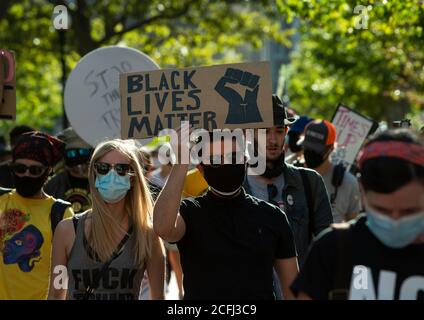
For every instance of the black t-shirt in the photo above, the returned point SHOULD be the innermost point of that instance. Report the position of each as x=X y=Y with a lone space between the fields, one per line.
x=230 y=246
x=377 y=271
x=75 y=190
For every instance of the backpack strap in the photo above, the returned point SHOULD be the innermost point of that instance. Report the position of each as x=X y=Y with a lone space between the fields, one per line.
x=310 y=201
x=57 y=212
x=337 y=180
x=343 y=274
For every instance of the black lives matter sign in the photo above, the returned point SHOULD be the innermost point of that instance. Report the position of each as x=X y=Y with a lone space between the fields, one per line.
x=216 y=97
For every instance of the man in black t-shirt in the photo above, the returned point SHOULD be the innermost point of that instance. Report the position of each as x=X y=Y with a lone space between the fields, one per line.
x=381 y=255
x=229 y=241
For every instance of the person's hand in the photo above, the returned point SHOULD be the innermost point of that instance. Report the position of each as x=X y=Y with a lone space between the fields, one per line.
x=244 y=78
x=180 y=144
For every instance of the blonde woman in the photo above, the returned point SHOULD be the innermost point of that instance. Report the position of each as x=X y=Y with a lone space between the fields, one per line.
x=107 y=249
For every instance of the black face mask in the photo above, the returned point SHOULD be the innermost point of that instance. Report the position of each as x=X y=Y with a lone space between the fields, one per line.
x=313 y=159
x=225 y=179
x=277 y=168
x=29 y=186
x=292 y=142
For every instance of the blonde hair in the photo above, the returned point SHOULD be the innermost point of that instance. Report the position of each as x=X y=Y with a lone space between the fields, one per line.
x=138 y=206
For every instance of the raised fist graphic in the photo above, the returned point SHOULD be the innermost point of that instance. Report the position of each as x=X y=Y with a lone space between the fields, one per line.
x=241 y=109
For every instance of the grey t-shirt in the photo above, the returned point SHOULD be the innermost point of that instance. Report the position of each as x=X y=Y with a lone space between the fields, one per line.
x=348 y=198
x=259 y=189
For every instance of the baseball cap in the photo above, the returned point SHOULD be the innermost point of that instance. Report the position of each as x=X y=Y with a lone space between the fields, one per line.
x=319 y=136
x=280 y=113
x=300 y=124
x=73 y=140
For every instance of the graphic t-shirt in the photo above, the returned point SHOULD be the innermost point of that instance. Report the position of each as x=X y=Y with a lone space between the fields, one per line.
x=25 y=246
x=377 y=272
x=74 y=190
x=122 y=279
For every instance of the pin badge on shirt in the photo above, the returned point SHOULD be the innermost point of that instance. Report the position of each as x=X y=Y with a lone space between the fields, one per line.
x=290 y=200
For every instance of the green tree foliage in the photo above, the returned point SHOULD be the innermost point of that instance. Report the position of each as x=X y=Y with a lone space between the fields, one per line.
x=173 y=33
x=371 y=58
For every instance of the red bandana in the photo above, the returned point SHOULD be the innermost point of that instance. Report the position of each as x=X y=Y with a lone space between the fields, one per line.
x=410 y=152
x=40 y=147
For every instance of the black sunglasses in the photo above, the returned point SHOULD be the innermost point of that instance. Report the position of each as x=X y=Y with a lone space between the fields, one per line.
x=20 y=168
x=122 y=169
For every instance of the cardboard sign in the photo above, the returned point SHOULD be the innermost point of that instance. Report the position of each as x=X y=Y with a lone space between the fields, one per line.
x=7 y=85
x=352 y=130
x=92 y=99
x=223 y=96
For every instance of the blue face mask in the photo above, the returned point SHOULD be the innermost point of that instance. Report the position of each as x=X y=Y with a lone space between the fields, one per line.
x=113 y=187
x=395 y=233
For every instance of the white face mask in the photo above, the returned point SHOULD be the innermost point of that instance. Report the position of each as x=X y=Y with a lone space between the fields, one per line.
x=395 y=233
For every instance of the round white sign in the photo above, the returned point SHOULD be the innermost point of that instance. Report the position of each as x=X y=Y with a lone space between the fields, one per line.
x=92 y=97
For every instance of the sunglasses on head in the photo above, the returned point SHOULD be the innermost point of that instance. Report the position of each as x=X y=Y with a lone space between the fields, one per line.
x=122 y=169
x=20 y=168
x=77 y=153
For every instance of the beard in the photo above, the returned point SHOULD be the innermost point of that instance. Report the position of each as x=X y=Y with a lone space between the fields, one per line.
x=273 y=153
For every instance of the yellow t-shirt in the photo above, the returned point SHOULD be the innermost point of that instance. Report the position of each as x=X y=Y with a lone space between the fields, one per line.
x=194 y=184
x=25 y=246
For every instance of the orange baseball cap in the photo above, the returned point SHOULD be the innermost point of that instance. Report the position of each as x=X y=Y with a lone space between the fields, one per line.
x=319 y=136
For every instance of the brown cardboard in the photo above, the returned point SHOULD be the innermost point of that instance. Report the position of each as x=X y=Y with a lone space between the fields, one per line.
x=221 y=96
x=7 y=91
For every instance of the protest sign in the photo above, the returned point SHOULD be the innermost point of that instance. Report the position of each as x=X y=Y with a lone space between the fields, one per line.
x=92 y=100
x=216 y=97
x=352 y=130
x=7 y=85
